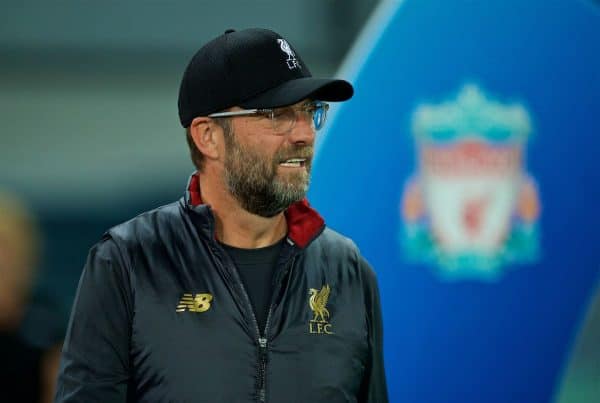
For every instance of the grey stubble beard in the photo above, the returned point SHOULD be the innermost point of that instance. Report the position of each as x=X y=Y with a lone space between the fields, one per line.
x=252 y=179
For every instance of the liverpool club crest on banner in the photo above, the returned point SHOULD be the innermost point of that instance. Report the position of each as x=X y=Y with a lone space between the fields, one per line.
x=472 y=207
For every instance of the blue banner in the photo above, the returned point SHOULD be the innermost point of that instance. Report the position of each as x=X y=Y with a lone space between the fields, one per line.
x=465 y=168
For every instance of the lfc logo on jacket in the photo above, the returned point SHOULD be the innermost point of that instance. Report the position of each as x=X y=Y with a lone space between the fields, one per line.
x=317 y=302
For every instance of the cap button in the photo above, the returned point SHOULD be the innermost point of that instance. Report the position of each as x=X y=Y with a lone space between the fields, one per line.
x=229 y=31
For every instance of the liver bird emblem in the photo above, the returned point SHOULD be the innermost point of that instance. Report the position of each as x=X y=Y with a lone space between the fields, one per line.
x=318 y=301
x=286 y=48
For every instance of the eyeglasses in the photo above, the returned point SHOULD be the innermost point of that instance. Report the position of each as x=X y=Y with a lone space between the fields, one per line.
x=283 y=119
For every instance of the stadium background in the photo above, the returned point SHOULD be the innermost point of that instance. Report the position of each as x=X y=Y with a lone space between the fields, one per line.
x=89 y=136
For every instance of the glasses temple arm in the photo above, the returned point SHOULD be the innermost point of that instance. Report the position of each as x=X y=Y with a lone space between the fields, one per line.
x=234 y=113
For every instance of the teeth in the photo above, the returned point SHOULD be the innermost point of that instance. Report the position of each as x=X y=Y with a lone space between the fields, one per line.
x=293 y=162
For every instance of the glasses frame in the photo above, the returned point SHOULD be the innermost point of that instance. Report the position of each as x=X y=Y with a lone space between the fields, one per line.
x=270 y=113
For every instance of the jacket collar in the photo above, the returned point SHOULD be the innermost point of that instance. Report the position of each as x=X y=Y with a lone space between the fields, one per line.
x=304 y=223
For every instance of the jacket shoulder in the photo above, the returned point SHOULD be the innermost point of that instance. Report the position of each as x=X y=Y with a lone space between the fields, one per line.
x=335 y=247
x=333 y=239
x=150 y=225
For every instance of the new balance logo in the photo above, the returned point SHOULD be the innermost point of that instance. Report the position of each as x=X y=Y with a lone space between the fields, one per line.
x=194 y=303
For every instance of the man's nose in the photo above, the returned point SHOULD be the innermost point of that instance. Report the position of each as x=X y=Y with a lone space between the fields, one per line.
x=303 y=131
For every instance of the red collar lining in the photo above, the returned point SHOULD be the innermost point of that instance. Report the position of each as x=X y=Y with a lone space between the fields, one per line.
x=194 y=190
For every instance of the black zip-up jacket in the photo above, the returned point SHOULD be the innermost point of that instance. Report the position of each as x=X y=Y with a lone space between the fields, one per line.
x=161 y=315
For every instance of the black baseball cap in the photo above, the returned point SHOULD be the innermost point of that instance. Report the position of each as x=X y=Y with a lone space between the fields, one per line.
x=251 y=68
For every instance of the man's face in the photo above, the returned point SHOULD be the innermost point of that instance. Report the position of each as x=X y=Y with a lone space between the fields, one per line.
x=265 y=172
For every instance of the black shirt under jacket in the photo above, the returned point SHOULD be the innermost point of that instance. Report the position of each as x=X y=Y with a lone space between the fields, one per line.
x=256 y=268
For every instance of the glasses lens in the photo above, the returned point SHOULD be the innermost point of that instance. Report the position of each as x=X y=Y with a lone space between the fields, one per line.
x=283 y=119
x=319 y=114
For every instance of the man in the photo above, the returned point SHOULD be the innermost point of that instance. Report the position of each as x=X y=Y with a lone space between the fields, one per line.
x=238 y=292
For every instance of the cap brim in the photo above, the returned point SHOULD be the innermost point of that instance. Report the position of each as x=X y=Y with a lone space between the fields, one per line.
x=293 y=91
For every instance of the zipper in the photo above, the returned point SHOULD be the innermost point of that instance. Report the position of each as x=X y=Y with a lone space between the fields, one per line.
x=262 y=341
x=262 y=357
x=273 y=296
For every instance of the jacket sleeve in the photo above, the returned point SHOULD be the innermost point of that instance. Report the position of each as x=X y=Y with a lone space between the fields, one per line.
x=95 y=357
x=374 y=387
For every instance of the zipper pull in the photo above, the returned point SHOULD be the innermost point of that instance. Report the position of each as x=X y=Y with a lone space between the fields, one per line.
x=262 y=342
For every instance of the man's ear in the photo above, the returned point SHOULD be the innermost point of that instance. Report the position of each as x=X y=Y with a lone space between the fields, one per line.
x=205 y=136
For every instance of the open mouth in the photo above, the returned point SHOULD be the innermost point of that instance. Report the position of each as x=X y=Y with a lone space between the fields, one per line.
x=293 y=163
